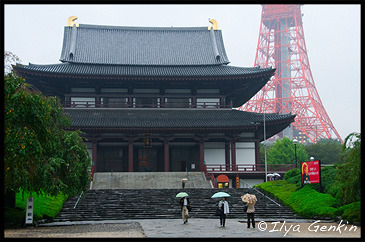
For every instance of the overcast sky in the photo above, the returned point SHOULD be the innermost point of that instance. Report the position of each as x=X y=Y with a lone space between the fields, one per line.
x=332 y=36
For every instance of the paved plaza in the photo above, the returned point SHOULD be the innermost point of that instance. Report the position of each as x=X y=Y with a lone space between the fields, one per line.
x=202 y=228
x=174 y=228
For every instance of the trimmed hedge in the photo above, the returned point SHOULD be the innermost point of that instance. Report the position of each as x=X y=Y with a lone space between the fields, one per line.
x=293 y=176
x=309 y=203
x=280 y=190
x=350 y=212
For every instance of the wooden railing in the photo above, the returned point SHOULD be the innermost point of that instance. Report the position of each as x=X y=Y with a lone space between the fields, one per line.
x=209 y=176
x=209 y=170
x=249 y=168
x=93 y=104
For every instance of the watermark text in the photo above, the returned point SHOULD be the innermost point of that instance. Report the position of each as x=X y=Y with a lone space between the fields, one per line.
x=313 y=227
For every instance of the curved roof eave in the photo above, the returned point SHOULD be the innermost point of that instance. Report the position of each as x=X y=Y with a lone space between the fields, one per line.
x=116 y=71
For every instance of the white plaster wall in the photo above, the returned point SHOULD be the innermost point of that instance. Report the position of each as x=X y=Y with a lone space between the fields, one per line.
x=214 y=153
x=245 y=153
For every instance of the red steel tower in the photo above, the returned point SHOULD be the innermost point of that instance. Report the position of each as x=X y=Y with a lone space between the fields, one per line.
x=281 y=45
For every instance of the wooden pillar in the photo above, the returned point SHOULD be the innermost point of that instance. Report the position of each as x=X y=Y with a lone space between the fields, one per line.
x=97 y=97
x=222 y=102
x=94 y=156
x=257 y=155
x=201 y=152
x=130 y=155
x=166 y=156
x=68 y=101
x=233 y=154
x=228 y=156
x=97 y=101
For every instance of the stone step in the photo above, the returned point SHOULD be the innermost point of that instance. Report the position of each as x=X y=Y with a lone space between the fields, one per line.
x=111 y=204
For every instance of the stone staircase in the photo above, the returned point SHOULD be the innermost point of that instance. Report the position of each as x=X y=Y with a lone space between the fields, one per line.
x=121 y=204
x=153 y=180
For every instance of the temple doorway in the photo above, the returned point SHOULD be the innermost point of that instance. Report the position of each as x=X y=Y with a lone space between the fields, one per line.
x=184 y=158
x=183 y=165
x=147 y=160
x=112 y=159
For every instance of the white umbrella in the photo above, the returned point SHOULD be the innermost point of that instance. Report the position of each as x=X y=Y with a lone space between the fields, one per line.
x=220 y=194
x=270 y=174
x=182 y=194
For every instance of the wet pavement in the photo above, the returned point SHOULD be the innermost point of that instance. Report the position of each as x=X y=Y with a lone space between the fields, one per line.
x=196 y=227
x=203 y=228
x=175 y=228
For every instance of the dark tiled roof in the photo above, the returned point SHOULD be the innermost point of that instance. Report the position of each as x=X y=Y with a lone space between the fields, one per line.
x=95 y=44
x=169 y=118
x=147 y=71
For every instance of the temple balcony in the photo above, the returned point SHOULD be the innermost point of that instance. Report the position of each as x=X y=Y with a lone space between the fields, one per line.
x=93 y=104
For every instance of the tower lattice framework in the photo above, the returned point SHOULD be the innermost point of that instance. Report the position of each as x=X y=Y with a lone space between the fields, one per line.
x=281 y=45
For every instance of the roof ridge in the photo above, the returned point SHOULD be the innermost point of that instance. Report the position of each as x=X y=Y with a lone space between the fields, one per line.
x=138 y=28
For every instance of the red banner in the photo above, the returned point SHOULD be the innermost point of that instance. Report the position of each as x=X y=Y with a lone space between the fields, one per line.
x=311 y=172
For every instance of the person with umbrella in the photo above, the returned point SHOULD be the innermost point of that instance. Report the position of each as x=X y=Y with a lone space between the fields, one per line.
x=183 y=181
x=223 y=205
x=270 y=177
x=185 y=206
x=250 y=199
x=276 y=176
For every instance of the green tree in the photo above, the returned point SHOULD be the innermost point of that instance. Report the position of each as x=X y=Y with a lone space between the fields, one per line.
x=283 y=152
x=327 y=150
x=40 y=155
x=262 y=151
x=348 y=176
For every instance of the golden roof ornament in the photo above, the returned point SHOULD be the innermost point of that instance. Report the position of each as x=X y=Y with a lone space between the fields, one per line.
x=71 y=21
x=214 y=24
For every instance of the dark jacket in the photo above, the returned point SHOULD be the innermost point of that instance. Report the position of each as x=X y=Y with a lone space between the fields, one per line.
x=182 y=202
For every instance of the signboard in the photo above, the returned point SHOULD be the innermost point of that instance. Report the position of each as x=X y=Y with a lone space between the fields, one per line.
x=29 y=211
x=311 y=172
x=147 y=141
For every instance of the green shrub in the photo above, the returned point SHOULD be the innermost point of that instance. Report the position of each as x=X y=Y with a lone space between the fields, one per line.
x=280 y=190
x=306 y=202
x=309 y=203
x=350 y=212
x=328 y=175
x=44 y=205
x=293 y=176
x=292 y=173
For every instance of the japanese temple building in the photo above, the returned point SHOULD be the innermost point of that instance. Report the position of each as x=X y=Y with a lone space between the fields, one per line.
x=157 y=98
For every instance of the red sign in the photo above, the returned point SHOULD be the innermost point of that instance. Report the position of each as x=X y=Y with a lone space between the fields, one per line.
x=310 y=172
